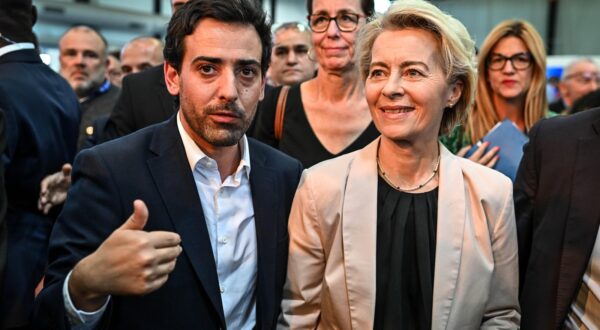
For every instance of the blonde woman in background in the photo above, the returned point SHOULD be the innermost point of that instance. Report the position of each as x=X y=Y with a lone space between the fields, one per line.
x=402 y=234
x=511 y=85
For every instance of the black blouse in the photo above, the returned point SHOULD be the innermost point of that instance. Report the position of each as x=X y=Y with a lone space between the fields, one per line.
x=298 y=138
x=406 y=234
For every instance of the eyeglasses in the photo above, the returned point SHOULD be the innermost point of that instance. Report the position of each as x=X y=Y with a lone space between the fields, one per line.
x=519 y=61
x=585 y=78
x=346 y=22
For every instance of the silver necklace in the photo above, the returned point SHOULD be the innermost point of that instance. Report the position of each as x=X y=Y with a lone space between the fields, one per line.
x=417 y=187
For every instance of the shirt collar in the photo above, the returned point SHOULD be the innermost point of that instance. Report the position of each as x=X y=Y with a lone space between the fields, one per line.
x=14 y=47
x=195 y=154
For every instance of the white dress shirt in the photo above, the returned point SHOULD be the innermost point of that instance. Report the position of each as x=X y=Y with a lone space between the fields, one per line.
x=229 y=216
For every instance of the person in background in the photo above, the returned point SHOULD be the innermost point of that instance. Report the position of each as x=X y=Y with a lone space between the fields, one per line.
x=511 y=85
x=144 y=99
x=579 y=78
x=83 y=61
x=206 y=245
x=558 y=213
x=291 y=63
x=113 y=70
x=402 y=234
x=41 y=115
x=326 y=116
x=141 y=54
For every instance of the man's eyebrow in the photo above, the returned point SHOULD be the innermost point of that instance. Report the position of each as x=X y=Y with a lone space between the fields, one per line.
x=214 y=60
x=245 y=62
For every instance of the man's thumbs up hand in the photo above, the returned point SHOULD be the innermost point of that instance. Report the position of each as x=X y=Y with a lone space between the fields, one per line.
x=137 y=220
x=130 y=261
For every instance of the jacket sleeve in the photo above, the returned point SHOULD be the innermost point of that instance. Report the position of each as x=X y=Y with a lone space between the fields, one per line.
x=525 y=192
x=502 y=309
x=91 y=213
x=306 y=263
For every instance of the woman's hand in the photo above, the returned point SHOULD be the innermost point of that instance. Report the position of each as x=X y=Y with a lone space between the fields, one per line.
x=486 y=158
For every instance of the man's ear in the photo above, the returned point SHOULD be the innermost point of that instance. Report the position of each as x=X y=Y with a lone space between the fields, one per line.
x=171 y=79
x=262 y=87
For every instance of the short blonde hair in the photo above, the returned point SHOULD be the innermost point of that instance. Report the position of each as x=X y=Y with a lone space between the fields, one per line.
x=484 y=115
x=457 y=49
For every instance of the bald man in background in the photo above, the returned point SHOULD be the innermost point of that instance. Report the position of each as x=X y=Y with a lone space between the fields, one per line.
x=140 y=54
x=579 y=78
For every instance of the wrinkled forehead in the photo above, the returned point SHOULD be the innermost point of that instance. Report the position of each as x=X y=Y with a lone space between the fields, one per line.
x=82 y=39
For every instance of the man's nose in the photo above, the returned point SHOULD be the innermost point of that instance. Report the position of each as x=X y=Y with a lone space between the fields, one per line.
x=227 y=86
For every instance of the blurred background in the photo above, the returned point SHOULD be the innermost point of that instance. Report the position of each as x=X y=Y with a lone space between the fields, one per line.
x=567 y=26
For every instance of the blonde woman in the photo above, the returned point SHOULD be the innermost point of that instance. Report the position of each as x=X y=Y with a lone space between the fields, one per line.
x=511 y=85
x=402 y=234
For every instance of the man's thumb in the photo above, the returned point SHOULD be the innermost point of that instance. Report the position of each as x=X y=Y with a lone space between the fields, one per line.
x=138 y=219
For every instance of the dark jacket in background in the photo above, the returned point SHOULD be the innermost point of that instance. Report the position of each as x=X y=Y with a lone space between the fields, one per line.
x=42 y=122
x=558 y=213
x=144 y=101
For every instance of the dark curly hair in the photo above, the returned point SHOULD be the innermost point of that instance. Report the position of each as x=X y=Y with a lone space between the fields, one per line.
x=184 y=21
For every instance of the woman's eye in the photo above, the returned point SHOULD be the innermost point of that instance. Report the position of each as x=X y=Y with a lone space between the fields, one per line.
x=413 y=73
x=376 y=73
x=346 y=18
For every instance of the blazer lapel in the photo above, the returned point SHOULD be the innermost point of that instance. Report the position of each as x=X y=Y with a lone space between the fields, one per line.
x=359 y=233
x=173 y=177
x=450 y=228
x=582 y=224
x=266 y=214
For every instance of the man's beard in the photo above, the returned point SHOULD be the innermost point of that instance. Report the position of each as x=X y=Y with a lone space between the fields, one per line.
x=218 y=134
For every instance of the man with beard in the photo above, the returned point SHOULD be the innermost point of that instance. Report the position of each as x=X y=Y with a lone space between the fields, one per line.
x=182 y=225
x=83 y=63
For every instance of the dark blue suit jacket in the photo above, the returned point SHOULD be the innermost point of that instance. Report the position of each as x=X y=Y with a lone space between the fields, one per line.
x=151 y=165
x=42 y=123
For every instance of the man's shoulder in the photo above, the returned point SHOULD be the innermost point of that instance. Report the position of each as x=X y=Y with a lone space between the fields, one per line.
x=271 y=156
x=569 y=125
x=132 y=145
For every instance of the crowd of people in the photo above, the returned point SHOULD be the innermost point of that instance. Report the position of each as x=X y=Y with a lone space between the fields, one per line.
x=349 y=173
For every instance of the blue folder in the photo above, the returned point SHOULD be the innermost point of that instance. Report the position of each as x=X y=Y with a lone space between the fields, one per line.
x=510 y=139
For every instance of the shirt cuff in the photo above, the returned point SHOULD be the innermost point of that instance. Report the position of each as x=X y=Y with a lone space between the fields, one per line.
x=78 y=319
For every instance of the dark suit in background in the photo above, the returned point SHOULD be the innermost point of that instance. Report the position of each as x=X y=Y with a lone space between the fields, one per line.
x=158 y=172
x=144 y=101
x=558 y=213
x=42 y=122
x=97 y=105
x=2 y=201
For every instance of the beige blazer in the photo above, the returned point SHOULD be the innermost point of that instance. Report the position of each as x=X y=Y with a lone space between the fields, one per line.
x=332 y=257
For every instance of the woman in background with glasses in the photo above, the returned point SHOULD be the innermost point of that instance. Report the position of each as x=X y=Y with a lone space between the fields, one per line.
x=511 y=85
x=326 y=116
